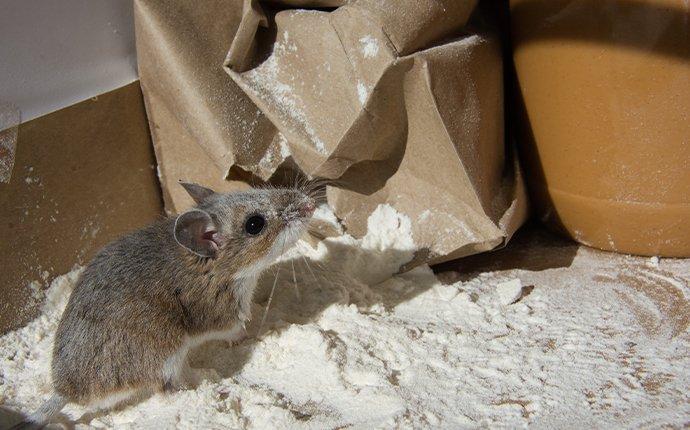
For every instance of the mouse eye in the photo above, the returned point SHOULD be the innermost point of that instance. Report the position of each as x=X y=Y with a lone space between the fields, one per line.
x=255 y=224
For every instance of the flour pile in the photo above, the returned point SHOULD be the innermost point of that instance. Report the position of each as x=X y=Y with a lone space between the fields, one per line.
x=352 y=343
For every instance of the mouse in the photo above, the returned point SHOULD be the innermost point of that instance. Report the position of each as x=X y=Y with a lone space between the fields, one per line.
x=145 y=300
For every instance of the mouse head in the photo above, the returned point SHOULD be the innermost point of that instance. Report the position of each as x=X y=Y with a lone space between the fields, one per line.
x=243 y=232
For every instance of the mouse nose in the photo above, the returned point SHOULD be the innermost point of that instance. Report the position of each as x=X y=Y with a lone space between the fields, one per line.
x=307 y=209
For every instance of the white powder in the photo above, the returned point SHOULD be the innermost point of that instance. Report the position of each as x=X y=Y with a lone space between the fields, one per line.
x=269 y=83
x=267 y=160
x=424 y=215
x=272 y=158
x=370 y=46
x=359 y=345
x=509 y=292
x=283 y=145
x=362 y=92
x=324 y=214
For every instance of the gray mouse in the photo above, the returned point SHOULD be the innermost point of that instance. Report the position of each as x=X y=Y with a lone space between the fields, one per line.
x=146 y=299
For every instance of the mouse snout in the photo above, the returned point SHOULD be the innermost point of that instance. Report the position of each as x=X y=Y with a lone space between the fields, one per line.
x=303 y=209
x=306 y=209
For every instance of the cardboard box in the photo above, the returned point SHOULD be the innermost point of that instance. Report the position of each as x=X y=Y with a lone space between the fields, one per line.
x=82 y=176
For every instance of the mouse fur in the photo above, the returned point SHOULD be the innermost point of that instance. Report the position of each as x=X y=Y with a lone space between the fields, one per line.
x=146 y=299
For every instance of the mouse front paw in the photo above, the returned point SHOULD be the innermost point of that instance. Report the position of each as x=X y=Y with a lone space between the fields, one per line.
x=186 y=378
x=176 y=385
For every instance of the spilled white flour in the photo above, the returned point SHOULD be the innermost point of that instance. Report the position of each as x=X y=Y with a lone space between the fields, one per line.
x=588 y=340
x=269 y=82
x=370 y=46
x=362 y=92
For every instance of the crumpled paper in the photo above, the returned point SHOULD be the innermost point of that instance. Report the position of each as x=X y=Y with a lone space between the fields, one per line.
x=395 y=101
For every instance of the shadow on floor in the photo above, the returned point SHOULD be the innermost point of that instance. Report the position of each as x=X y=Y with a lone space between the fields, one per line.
x=347 y=275
x=10 y=418
x=533 y=248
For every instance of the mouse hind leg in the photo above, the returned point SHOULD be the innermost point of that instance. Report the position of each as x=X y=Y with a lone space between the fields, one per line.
x=44 y=414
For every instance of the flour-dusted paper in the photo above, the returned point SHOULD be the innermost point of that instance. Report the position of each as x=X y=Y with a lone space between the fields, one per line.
x=397 y=102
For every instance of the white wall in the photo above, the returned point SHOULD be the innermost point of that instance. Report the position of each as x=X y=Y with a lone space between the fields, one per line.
x=54 y=53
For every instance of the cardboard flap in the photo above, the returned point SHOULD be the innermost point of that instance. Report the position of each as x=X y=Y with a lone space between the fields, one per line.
x=411 y=25
x=252 y=17
x=180 y=49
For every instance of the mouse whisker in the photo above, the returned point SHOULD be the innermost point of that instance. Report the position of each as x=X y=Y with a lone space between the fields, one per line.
x=273 y=289
x=299 y=181
x=306 y=263
x=294 y=279
x=322 y=273
x=323 y=270
x=268 y=305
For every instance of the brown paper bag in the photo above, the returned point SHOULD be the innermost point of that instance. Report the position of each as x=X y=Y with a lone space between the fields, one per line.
x=389 y=98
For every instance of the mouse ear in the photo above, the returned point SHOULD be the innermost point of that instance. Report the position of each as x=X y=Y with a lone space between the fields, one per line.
x=194 y=231
x=197 y=192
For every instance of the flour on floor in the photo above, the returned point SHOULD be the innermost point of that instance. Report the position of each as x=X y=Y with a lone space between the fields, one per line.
x=601 y=341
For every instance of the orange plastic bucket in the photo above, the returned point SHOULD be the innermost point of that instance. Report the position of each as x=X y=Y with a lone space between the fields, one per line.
x=605 y=96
